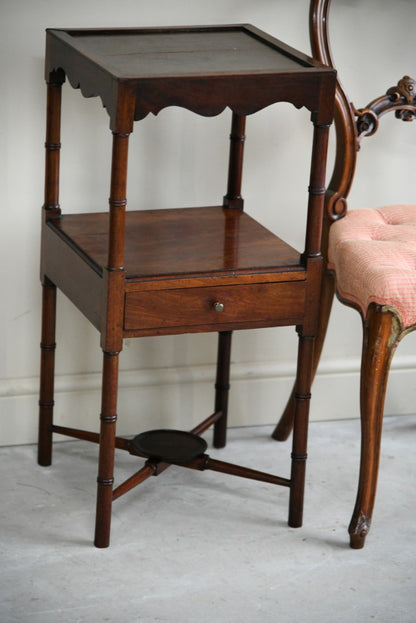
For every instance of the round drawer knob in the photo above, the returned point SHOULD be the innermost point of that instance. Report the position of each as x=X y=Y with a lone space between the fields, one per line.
x=219 y=307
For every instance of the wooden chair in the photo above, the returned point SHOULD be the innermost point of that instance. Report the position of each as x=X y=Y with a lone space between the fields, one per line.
x=182 y=270
x=370 y=259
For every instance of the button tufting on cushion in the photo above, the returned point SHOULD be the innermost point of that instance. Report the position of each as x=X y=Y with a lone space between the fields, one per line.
x=373 y=253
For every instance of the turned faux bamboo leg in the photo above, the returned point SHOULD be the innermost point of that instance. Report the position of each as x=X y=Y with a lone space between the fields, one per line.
x=111 y=337
x=285 y=424
x=322 y=292
x=222 y=387
x=308 y=331
x=300 y=430
x=105 y=477
x=381 y=336
x=47 y=374
x=233 y=198
x=50 y=209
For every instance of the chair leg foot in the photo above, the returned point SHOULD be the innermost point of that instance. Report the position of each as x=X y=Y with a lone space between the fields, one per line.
x=358 y=530
x=357 y=541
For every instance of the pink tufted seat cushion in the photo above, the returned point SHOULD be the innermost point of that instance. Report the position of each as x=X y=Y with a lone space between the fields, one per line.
x=373 y=253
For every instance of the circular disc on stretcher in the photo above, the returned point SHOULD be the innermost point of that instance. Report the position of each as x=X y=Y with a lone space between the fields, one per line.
x=173 y=446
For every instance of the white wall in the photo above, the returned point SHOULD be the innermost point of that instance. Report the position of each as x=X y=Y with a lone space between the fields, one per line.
x=169 y=380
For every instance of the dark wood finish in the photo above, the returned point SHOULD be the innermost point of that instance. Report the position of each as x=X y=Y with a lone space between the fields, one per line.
x=154 y=468
x=285 y=424
x=222 y=387
x=74 y=276
x=204 y=69
x=401 y=99
x=205 y=462
x=136 y=273
x=194 y=309
x=47 y=373
x=52 y=148
x=169 y=445
x=381 y=335
x=382 y=328
x=108 y=420
x=300 y=431
x=233 y=198
x=193 y=242
x=50 y=209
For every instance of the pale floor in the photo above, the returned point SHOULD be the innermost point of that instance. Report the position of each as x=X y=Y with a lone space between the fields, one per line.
x=190 y=546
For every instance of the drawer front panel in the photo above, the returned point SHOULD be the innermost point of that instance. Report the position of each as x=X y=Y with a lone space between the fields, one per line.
x=263 y=303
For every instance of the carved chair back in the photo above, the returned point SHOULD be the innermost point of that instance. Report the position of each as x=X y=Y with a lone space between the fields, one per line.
x=352 y=124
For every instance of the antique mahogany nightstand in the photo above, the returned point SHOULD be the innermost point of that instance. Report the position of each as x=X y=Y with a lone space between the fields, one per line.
x=157 y=272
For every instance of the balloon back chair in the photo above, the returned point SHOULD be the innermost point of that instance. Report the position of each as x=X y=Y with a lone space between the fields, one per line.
x=370 y=257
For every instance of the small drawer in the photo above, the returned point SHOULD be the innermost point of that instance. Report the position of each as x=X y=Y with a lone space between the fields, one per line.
x=262 y=304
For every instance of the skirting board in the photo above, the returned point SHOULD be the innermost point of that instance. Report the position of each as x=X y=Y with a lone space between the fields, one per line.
x=181 y=397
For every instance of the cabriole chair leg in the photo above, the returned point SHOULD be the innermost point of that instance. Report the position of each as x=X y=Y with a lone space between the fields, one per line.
x=380 y=339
